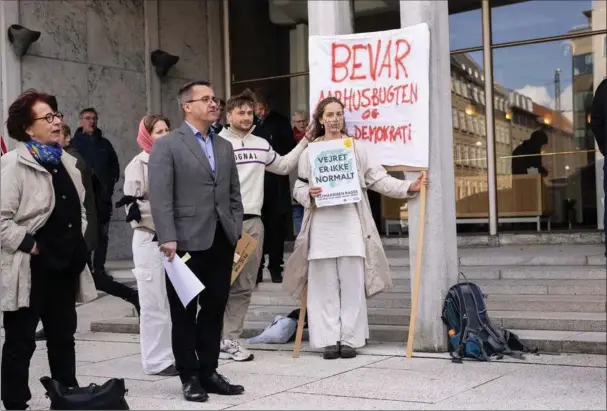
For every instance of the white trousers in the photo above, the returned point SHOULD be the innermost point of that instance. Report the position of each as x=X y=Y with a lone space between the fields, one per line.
x=337 y=306
x=155 y=320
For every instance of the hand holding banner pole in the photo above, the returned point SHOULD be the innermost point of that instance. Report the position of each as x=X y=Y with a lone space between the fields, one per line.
x=418 y=268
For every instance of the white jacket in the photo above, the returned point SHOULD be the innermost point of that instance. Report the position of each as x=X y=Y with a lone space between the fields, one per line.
x=254 y=155
x=136 y=185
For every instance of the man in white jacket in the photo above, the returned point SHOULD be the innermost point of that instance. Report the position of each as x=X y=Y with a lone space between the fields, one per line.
x=253 y=156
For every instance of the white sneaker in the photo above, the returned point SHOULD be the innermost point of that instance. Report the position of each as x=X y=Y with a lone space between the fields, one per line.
x=232 y=350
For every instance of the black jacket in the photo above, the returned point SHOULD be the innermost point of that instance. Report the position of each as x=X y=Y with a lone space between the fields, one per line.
x=598 y=116
x=277 y=130
x=90 y=235
x=100 y=156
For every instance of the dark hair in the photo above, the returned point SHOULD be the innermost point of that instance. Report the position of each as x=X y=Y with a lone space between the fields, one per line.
x=222 y=102
x=65 y=129
x=319 y=129
x=185 y=92
x=88 y=110
x=539 y=138
x=21 y=115
x=245 y=98
x=150 y=121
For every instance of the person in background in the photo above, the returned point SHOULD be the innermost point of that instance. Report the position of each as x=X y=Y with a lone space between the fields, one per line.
x=44 y=254
x=598 y=124
x=529 y=154
x=155 y=320
x=219 y=124
x=276 y=213
x=300 y=124
x=339 y=273
x=187 y=168
x=101 y=157
x=90 y=235
x=254 y=156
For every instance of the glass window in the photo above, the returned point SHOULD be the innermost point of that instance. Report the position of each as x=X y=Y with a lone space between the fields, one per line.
x=475 y=126
x=556 y=180
x=470 y=175
x=483 y=126
x=484 y=158
x=582 y=64
x=462 y=120
x=455 y=118
x=469 y=126
x=541 y=18
x=277 y=40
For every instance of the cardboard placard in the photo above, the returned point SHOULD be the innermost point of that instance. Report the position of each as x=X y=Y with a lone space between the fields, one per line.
x=244 y=248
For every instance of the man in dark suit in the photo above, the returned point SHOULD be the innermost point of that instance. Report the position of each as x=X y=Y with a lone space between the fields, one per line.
x=277 y=205
x=196 y=206
x=598 y=124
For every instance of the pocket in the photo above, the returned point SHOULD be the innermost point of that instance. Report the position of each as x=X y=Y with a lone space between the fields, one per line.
x=187 y=211
x=143 y=274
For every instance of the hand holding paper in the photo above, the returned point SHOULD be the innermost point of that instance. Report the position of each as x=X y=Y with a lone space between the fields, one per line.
x=186 y=284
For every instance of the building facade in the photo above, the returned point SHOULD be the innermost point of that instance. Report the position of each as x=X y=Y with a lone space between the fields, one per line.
x=544 y=59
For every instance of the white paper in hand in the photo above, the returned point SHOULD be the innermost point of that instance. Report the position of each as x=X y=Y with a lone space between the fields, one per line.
x=186 y=284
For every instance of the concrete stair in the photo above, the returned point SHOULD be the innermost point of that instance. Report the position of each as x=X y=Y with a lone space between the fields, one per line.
x=552 y=296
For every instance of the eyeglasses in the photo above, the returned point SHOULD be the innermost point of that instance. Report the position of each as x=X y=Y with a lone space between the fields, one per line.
x=205 y=100
x=50 y=117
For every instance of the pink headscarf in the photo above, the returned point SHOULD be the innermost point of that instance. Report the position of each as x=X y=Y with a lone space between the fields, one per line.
x=144 y=139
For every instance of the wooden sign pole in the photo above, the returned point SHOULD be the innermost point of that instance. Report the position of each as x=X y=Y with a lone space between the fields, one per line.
x=303 y=305
x=418 y=269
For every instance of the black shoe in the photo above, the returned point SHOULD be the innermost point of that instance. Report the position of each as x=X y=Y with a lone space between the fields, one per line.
x=218 y=384
x=331 y=352
x=40 y=336
x=345 y=351
x=193 y=391
x=169 y=371
x=276 y=277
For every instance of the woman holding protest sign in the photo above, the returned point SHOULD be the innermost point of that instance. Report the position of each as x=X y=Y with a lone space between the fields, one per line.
x=338 y=250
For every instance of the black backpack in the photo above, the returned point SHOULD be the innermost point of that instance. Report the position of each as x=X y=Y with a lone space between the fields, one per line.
x=470 y=331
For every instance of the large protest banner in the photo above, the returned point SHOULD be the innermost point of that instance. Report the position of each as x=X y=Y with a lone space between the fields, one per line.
x=333 y=166
x=383 y=80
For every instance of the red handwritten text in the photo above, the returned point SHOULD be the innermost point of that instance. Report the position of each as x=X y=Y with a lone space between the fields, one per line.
x=383 y=133
x=356 y=99
x=369 y=61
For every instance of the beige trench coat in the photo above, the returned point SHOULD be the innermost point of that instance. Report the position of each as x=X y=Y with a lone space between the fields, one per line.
x=28 y=199
x=377 y=269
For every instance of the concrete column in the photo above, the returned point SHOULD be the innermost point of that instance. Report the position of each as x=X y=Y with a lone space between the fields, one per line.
x=298 y=39
x=152 y=42
x=330 y=17
x=440 y=264
x=215 y=48
x=11 y=64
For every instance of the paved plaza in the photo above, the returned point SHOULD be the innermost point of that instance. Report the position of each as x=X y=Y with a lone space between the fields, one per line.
x=380 y=378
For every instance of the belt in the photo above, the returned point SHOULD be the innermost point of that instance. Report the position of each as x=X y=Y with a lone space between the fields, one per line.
x=250 y=216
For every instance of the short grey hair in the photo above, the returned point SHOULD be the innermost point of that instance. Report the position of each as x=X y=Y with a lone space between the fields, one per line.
x=301 y=113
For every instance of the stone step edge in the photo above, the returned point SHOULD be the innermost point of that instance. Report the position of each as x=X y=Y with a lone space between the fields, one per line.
x=545 y=341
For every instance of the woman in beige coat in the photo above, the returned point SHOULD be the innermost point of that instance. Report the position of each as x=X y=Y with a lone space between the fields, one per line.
x=338 y=251
x=155 y=319
x=44 y=255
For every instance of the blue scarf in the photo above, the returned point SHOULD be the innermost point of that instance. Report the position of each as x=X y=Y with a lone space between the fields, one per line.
x=45 y=154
